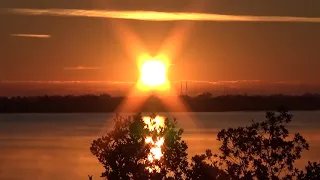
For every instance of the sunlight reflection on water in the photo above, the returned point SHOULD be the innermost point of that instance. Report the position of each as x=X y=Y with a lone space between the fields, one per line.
x=56 y=146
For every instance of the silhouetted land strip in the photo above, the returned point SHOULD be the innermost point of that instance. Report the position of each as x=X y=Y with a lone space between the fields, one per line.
x=202 y=103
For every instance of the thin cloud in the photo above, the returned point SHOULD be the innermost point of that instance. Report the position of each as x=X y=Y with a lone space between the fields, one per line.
x=160 y=16
x=220 y=82
x=32 y=35
x=66 y=82
x=81 y=68
x=177 y=81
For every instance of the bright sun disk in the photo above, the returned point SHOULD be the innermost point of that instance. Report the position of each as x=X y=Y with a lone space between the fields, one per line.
x=153 y=73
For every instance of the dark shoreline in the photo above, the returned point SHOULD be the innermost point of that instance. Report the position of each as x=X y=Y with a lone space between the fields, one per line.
x=202 y=103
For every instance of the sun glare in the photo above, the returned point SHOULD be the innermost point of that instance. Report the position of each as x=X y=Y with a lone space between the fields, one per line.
x=154 y=124
x=153 y=73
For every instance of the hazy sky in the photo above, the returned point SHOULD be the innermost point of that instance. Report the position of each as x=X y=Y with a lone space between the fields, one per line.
x=66 y=48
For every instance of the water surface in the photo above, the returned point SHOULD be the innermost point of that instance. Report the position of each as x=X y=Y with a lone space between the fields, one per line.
x=56 y=146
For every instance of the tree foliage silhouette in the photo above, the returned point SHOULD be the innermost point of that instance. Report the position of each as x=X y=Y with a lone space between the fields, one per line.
x=123 y=151
x=204 y=167
x=312 y=172
x=264 y=150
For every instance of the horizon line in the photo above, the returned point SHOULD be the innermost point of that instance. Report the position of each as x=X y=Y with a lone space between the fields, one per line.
x=132 y=82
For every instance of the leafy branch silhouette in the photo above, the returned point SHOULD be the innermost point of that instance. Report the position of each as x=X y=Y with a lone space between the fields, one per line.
x=264 y=150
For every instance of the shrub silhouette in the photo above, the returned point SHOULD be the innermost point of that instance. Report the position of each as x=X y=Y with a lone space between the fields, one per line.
x=261 y=151
x=312 y=172
x=204 y=167
x=123 y=151
x=90 y=177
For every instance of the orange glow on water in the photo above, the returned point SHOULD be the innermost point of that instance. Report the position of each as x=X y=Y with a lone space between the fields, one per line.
x=154 y=124
x=155 y=151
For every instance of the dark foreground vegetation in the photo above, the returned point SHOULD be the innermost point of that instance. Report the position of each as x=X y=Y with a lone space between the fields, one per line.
x=202 y=103
x=262 y=151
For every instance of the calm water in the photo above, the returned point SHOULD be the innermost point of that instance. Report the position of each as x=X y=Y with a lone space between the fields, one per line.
x=56 y=146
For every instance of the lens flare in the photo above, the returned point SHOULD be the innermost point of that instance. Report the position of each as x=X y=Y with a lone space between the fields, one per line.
x=155 y=124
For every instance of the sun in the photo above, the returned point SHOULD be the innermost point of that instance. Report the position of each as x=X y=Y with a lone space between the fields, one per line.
x=153 y=73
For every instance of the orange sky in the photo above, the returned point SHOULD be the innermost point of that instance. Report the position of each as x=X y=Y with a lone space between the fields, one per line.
x=47 y=48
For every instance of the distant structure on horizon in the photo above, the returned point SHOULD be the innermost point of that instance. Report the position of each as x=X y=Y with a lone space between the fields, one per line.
x=186 y=88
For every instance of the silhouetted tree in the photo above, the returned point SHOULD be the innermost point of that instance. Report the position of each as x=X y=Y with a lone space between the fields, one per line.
x=204 y=167
x=206 y=95
x=123 y=151
x=262 y=150
x=90 y=177
x=312 y=172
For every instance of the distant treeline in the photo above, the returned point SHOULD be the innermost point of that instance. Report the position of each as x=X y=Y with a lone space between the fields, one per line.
x=202 y=103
